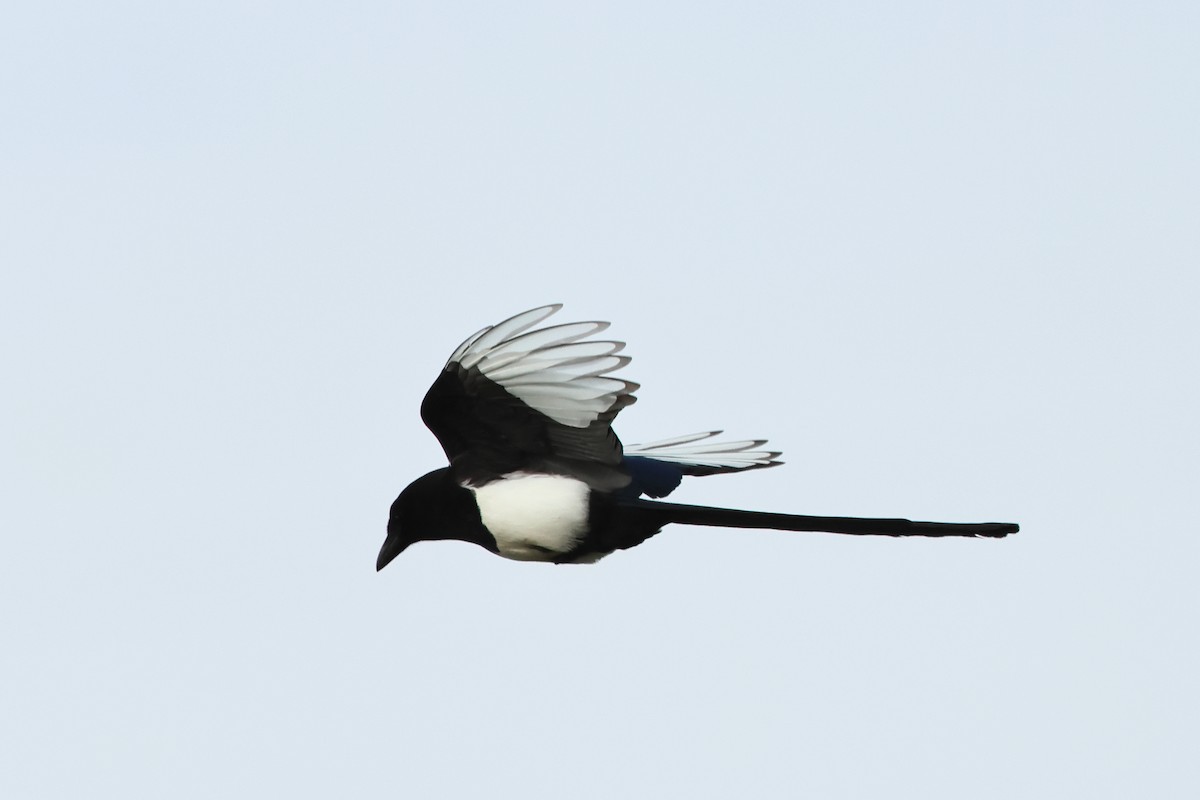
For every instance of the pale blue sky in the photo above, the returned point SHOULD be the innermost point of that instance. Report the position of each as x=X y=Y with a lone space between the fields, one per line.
x=943 y=255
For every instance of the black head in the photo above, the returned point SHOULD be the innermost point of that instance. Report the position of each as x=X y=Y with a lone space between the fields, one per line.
x=433 y=506
x=396 y=540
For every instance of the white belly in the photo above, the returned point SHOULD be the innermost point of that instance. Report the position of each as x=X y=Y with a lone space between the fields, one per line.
x=534 y=517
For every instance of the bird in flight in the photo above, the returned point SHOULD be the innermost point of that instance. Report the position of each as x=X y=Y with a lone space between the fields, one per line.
x=537 y=473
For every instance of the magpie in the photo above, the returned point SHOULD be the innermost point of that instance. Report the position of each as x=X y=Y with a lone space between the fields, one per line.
x=525 y=413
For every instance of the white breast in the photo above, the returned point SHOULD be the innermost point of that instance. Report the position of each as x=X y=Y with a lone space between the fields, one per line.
x=534 y=517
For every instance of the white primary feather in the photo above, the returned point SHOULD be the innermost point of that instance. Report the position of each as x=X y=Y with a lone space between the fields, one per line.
x=517 y=346
x=492 y=335
x=556 y=370
x=724 y=455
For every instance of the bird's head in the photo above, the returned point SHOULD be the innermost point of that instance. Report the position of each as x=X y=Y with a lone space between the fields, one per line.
x=431 y=507
x=396 y=540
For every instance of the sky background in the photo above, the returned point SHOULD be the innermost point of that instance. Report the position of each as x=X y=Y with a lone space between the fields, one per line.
x=945 y=256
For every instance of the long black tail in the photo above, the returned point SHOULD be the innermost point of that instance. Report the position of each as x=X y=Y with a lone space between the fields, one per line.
x=733 y=518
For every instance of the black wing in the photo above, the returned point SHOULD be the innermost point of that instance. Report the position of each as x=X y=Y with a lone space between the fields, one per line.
x=511 y=399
